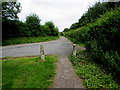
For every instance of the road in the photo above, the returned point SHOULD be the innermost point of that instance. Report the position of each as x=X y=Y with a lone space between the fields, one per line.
x=62 y=47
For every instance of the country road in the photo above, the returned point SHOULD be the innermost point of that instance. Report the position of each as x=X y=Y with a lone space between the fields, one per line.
x=65 y=76
x=62 y=47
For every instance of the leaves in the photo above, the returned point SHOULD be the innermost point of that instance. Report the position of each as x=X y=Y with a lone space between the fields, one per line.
x=10 y=10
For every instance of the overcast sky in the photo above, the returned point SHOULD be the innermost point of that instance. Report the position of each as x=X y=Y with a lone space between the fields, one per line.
x=63 y=13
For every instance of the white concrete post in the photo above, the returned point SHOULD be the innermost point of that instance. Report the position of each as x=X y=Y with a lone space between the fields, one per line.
x=74 y=49
x=42 y=52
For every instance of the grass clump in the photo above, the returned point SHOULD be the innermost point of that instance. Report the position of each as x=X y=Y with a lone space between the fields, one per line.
x=28 y=72
x=94 y=76
x=22 y=40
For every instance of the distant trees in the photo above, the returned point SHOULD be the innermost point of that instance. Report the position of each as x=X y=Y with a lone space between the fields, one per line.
x=53 y=30
x=12 y=27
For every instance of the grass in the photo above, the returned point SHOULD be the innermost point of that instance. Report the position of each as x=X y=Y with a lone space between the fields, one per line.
x=92 y=74
x=28 y=72
x=22 y=40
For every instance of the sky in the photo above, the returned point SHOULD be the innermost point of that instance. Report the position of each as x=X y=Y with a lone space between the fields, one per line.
x=63 y=13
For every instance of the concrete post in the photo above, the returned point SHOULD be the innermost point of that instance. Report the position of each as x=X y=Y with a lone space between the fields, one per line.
x=42 y=56
x=74 y=49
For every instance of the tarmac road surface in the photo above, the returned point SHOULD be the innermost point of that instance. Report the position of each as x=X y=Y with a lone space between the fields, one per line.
x=62 y=47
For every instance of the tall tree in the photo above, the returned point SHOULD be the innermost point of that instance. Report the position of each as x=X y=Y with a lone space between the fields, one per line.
x=33 y=24
x=33 y=19
x=50 y=24
x=53 y=30
x=9 y=19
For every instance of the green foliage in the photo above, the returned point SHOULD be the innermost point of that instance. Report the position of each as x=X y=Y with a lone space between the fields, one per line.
x=32 y=20
x=28 y=72
x=50 y=24
x=10 y=10
x=101 y=40
x=61 y=33
x=78 y=36
x=13 y=28
x=45 y=30
x=30 y=28
x=22 y=40
x=94 y=12
x=66 y=30
x=74 y=26
x=103 y=44
x=93 y=75
x=33 y=25
x=53 y=30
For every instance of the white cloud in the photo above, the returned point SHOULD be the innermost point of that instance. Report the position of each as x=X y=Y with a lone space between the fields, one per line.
x=62 y=12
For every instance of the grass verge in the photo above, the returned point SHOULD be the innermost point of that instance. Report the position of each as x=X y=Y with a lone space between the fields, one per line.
x=22 y=40
x=93 y=75
x=28 y=72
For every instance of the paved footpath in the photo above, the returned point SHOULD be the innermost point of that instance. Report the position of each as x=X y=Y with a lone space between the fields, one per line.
x=65 y=78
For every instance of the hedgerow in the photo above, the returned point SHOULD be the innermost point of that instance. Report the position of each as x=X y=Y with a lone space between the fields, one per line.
x=101 y=40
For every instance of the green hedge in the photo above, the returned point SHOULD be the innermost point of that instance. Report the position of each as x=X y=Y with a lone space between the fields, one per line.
x=78 y=36
x=102 y=41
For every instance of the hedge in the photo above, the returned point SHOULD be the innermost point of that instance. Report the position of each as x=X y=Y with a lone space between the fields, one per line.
x=101 y=40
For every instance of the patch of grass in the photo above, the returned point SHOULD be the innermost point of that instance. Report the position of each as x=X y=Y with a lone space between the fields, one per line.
x=22 y=40
x=93 y=75
x=28 y=72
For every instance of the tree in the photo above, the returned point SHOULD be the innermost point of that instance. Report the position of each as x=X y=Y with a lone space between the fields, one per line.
x=33 y=25
x=9 y=19
x=10 y=10
x=45 y=30
x=33 y=19
x=50 y=24
x=53 y=29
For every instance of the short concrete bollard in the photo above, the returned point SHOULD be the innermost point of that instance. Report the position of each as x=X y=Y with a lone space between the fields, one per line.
x=42 y=56
x=74 y=49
